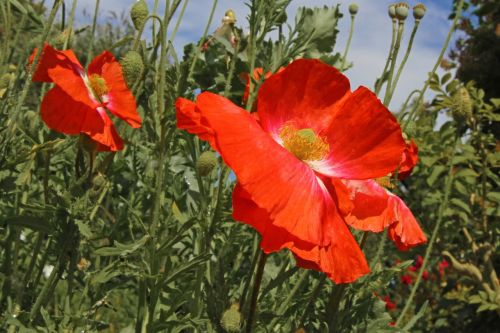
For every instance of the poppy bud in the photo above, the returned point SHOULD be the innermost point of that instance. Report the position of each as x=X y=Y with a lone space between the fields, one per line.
x=229 y=17
x=206 y=163
x=353 y=8
x=132 y=67
x=461 y=108
x=61 y=38
x=6 y=79
x=231 y=319
x=139 y=13
x=419 y=11
x=402 y=10
x=392 y=11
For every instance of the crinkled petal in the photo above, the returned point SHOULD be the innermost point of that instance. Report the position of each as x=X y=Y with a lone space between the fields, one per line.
x=405 y=232
x=63 y=114
x=189 y=119
x=277 y=181
x=306 y=94
x=342 y=260
x=409 y=160
x=51 y=58
x=365 y=139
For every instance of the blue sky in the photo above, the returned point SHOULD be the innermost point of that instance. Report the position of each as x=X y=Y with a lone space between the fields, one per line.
x=370 y=41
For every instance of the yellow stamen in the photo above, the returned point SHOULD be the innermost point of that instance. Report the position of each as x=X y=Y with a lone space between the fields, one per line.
x=385 y=182
x=305 y=144
x=98 y=85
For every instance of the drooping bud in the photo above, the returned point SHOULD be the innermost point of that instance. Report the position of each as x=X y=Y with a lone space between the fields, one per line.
x=353 y=8
x=231 y=319
x=229 y=17
x=402 y=10
x=419 y=11
x=461 y=108
x=392 y=11
x=206 y=163
x=132 y=67
x=139 y=13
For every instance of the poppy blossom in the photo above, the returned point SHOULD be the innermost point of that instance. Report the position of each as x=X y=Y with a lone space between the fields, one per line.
x=389 y=304
x=406 y=279
x=311 y=129
x=443 y=264
x=257 y=73
x=409 y=160
x=79 y=101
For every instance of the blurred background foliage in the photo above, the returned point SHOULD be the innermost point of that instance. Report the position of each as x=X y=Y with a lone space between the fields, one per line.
x=149 y=244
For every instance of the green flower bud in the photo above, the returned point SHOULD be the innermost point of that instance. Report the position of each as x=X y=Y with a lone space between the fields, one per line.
x=419 y=11
x=6 y=79
x=392 y=11
x=206 y=163
x=132 y=67
x=411 y=129
x=231 y=319
x=353 y=8
x=229 y=17
x=139 y=13
x=461 y=108
x=402 y=9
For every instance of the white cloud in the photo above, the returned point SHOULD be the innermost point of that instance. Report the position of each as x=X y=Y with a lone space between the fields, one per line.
x=370 y=42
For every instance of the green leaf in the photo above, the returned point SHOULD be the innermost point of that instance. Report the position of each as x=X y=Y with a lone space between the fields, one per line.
x=436 y=172
x=416 y=317
x=35 y=223
x=122 y=249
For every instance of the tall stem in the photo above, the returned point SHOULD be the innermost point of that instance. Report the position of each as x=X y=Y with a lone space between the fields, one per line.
x=394 y=57
x=380 y=82
x=92 y=32
x=442 y=208
x=255 y=293
x=405 y=58
x=348 y=45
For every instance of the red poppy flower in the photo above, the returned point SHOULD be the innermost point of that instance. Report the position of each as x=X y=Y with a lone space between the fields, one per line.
x=79 y=100
x=257 y=73
x=375 y=208
x=442 y=266
x=406 y=279
x=409 y=160
x=311 y=129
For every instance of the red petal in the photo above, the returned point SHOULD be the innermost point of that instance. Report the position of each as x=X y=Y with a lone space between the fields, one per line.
x=371 y=211
x=342 y=260
x=189 y=119
x=97 y=64
x=364 y=137
x=405 y=232
x=306 y=93
x=277 y=181
x=63 y=114
x=409 y=160
x=52 y=58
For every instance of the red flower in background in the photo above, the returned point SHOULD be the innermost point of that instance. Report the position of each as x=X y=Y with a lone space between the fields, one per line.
x=311 y=132
x=443 y=264
x=79 y=100
x=389 y=305
x=409 y=160
x=257 y=73
x=406 y=279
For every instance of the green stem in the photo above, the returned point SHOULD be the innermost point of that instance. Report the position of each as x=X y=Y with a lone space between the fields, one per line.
x=255 y=259
x=458 y=14
x=442 y=208
x=92 y=32
x=405 y=105
x=394 y=57
x=314 y=296
x=202 y=40
x=252 y=311
x=380 y=82
x=405 y=58
x=70 y=24
x=348 y=45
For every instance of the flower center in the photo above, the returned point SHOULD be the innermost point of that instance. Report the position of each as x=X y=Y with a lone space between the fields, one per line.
x=305 y=144
x=385 y=182
x=98 y=85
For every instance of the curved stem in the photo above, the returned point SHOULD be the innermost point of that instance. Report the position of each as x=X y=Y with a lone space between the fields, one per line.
x=255 y=292
x=442 y=208
x=380 y=81
x=405 y=105
x=405 y=58
x=348 y=45
x=394 y=57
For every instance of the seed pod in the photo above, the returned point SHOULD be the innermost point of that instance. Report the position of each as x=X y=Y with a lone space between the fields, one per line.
x=402 y=9
x=392 y=11
x=461 y=108
x=132 y=67
x=419 y=11
x=206 y=163
x=231 y=319
x=61 y=38
x=6 y=79
x=229 y=17
x=139 y=13
x=353 y=9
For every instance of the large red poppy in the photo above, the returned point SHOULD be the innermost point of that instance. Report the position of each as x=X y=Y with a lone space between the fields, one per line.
x=310 y=128
x=79 y=101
